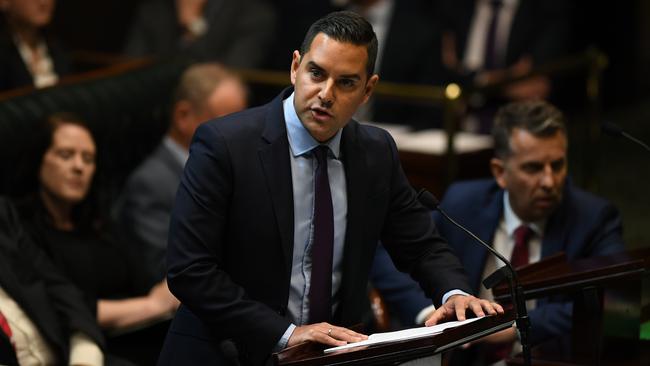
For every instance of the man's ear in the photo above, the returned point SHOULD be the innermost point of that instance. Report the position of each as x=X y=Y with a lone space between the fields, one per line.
x=182 y=115
x=370 y=86
x=295 y=64
x=497 y=166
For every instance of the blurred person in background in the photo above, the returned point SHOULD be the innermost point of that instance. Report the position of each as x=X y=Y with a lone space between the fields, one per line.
x=408 y=37
x=43 y=317
x=61 y=216
x=236 y=33
x=28 y=55
x=205 y=91
x=485 y=42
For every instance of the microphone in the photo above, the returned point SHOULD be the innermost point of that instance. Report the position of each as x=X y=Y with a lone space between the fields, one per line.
x=612 y=129
x=428 y=200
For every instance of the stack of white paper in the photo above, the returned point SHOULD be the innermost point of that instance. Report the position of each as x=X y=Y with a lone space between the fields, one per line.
x=401 y=335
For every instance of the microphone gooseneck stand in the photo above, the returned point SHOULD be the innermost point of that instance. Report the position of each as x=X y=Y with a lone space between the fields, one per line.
x=516 y=290
x=614 y=130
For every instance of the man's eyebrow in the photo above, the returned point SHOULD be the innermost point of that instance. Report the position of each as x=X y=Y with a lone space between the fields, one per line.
x=313 y=64
x=351 y=76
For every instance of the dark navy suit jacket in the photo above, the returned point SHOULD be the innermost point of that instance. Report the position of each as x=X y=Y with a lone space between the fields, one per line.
x=582 y=226
x=231 y=233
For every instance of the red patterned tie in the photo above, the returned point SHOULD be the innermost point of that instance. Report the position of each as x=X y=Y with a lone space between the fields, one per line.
x=520 y=254
x=4 y=325
x=519 y=257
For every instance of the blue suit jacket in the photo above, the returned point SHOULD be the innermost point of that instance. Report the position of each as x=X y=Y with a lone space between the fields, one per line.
x=582 y=226
x=231 y=233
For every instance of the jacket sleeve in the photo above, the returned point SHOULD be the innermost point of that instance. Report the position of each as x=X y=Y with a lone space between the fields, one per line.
x=197 y=240
x=608 y=235
x=550 y=320
x=411 y=238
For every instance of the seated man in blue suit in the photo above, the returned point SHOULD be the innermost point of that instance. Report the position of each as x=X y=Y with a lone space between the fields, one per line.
x=529 y=188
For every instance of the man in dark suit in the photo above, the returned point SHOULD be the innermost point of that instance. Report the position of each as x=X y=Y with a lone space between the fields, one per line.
x=205 y=91
x=408 y=53
x=530 y=189
x=488 y=41
x=235 y=33
x=280 y=209
x=47 y=318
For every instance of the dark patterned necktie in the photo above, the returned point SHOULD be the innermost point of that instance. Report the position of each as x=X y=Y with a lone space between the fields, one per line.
x=320 y=290
x=491 y=61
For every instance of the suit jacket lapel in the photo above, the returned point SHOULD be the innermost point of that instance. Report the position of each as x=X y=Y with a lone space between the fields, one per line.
x=486 y=223
x=354 y=160
x=353 y=156
x=274 y=157
x=558 y=227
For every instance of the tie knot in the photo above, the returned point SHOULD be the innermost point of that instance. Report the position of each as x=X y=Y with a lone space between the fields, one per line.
x=522 y=234
x=320 y=152
x=496 y=3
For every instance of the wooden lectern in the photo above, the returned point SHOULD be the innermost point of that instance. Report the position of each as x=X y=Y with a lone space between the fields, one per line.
x=606 y=293
x=389 y=353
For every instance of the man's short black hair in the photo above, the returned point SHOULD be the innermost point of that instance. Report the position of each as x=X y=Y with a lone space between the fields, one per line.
x=538 y=117
x=345 y=26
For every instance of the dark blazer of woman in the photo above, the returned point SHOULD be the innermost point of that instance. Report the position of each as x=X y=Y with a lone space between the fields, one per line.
x=52 y=303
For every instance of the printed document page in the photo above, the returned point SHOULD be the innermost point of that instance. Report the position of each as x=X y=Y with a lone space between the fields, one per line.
x=401 y=335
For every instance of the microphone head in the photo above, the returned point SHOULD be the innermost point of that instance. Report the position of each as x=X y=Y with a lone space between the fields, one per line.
x=427 y=199
x=611 y=129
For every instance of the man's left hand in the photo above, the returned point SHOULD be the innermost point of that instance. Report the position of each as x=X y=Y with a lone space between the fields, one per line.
x=457 y=305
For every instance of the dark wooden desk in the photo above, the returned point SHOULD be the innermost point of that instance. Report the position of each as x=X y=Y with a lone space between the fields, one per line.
x=610 y=301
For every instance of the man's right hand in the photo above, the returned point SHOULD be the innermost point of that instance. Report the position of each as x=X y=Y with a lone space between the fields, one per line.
x=325 y=333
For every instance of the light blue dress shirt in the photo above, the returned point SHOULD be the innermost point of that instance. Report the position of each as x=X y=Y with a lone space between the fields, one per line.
x=303 y=168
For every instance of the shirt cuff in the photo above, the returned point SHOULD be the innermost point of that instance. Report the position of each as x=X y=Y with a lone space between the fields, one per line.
x=282 y=343
x=84 y=351
x=452 y=293
x=424 y=314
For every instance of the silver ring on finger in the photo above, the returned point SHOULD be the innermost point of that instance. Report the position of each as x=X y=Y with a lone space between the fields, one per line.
x=329 y=332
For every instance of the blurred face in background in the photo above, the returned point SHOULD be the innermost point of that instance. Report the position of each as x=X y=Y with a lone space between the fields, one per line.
x=228 y=97
x=68 y=165
x=28 y=13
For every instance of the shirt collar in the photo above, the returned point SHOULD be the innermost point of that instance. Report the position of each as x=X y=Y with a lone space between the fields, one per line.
x=512 y=221
x=300 y=140
x=179 y=153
